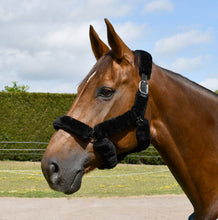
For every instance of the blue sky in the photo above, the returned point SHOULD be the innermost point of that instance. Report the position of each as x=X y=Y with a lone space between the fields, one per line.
x=45 y=44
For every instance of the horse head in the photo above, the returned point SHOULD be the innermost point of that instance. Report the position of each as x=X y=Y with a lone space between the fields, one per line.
x=106 y=92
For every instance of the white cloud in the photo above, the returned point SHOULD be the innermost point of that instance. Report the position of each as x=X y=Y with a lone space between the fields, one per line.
x=159 y=5
x=173 y=44
x=68 y=37
x=49 y=40
x=56 y=86
x=94 y=9
x=211 y=82
x=43 y=65
x=4 y=16
x=130 y=31
x=186 y=64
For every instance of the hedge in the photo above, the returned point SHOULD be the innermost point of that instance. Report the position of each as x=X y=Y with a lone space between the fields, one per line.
x=148 y=156
x=29 y=117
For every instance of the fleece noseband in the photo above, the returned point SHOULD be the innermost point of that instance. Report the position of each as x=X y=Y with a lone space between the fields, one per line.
x=100 y=134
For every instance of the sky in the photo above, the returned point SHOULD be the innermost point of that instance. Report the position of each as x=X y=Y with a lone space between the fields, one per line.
x=45 y=44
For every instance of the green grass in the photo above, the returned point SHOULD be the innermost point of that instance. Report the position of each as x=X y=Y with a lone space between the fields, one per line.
x=25 y=179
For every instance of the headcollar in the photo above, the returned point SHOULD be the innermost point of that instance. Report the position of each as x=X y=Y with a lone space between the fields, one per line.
x=100 y=134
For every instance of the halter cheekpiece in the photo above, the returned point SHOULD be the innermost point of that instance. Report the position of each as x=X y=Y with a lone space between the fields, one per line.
x=100 y=134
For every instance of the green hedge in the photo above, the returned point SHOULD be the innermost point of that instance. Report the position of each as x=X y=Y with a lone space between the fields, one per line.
x=29 y=117
x=148 y=156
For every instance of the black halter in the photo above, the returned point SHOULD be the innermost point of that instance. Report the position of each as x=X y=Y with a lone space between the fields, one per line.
x=133 y=118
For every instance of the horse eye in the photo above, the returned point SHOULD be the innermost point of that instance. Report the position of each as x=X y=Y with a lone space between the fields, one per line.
x=105 y=92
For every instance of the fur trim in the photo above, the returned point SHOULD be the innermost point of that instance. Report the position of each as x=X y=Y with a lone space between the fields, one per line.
x=114 y=125
x=73 y=126
x=108 y=152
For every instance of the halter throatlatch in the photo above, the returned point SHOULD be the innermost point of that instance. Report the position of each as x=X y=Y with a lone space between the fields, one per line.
x=100 y=134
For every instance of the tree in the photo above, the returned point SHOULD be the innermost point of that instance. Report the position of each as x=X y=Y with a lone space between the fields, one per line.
x=16 y=88
x=216 y=91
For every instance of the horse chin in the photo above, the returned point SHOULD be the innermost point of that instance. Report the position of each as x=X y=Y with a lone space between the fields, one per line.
x=69 y=185
x=75 y=184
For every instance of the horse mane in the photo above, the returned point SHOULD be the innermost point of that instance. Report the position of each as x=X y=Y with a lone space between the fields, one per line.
x=189 y=82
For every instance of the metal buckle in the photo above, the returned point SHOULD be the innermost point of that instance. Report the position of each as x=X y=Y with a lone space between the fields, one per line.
x=143 y=87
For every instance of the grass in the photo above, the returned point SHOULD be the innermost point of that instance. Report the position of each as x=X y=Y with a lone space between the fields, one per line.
x=25 y=179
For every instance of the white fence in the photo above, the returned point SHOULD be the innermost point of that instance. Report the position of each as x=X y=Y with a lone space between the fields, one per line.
x=27 y=148
x=35 y=150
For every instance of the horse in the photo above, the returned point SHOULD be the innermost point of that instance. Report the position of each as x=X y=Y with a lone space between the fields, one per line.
x=183 y=118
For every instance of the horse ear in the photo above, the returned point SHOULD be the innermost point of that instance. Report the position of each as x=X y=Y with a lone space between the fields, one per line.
x=99 y=48
x=117 y=45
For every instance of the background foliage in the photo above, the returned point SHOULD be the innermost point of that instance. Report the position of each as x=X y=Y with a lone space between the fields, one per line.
x=16 y=88
x=29 y=117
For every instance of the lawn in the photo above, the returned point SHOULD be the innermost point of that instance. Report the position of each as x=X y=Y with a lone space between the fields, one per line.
x=25 y=179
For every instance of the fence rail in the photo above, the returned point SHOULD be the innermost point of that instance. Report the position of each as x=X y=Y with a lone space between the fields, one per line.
x=22 y=142
x=35 y=153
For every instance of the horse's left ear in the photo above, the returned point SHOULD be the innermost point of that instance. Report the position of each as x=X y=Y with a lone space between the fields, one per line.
x=99 y=48
x=118 y=47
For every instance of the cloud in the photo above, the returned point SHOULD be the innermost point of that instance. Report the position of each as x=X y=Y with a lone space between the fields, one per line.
x=49 y=40
x=56 y=86
x=42 y=65
x=68 y=37
x=211 y=82
x=95 y=9
x=130 y=31
x=173 y=44
x=159 y=5
x=187 y=64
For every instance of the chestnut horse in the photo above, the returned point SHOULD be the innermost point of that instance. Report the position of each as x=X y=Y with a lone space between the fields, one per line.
x=183 y=119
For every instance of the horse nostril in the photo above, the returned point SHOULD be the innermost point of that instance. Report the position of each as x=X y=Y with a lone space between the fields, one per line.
x=53 y=168
x=54 y=173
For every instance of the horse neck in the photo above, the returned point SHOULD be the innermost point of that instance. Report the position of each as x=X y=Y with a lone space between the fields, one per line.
x=183 y=131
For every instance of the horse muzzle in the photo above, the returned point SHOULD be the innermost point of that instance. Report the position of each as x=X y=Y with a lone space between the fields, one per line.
x=65 y=175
